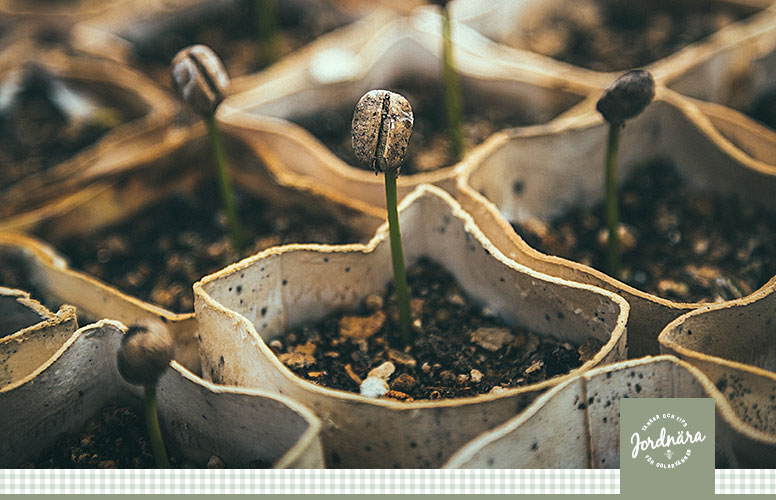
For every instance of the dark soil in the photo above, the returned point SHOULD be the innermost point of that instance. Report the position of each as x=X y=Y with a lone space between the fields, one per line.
x=612 y=35
x=443 y=361
x=38 y=130
x=231 y=30
x=681 y=245
x=116 y=438
x=429 y=147
x=159 y=253
x=763 y=108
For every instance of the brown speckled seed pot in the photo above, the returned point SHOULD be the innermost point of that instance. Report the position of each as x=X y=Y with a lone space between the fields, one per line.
x=587 y=407
x=561 y=164
x=53 y=378
x=243 y=306
x=733 y=344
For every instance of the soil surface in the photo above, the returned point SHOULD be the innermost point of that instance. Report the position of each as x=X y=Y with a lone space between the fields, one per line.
x=459 y=349
x=763 y=108
x=116 y=438
x=678 y=243
x=231 y=30
x=612 y=35
x=429 y=147
x=159 y=253
x=47 y=121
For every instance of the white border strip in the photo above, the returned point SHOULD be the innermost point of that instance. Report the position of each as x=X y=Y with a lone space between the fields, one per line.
x=349 y=481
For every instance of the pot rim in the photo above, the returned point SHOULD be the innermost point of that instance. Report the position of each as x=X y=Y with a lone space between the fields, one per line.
x=381 y=235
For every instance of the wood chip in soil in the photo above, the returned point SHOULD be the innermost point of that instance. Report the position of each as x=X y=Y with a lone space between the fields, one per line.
x=678 y=243
x=612 y=35
x=460 y=348
x=161 y=252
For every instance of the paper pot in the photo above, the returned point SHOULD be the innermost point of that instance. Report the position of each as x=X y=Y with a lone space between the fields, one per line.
x=732 y=343
x=109 y=192
x=561 y=165
x=53 y=378
x=545 y=434
x=243 y=306
x=325 y=82
x=512 y=27
x=143 y=107
x=135 y=32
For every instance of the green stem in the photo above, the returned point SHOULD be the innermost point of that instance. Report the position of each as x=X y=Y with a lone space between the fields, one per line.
x=612 y=204
x=154 y=432
x=397 y=256
x=452 y=90
x=266 y=27
x=225 y=185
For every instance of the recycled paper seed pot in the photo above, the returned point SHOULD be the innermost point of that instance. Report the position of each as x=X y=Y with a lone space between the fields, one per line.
x=242 y=307
x=301 y=107
x=91 y=92
x=45 y=393
x=539 y=173
x=576 y=424
x=732 y=343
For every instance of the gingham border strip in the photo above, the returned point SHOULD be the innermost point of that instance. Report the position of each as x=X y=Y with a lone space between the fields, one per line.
x=346 y=481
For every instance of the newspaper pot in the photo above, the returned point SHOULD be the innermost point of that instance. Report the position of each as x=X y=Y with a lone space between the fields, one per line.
x=49 y=388
x=560 y=165
x=243 y=306
x=325 y=82
x=732 y=343
x=108 y=192
x=144 y=107
x=542 y=436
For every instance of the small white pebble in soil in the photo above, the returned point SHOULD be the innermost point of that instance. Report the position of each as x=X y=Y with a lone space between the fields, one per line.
x=425 y=367
x=476 y=375
x=463 y=378
x=384 y=371
x=373 y=387
x=276 y=344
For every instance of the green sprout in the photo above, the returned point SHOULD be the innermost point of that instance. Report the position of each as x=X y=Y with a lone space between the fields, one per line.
x=382 y=125
x=201 y=80
x=622 y=100
x=145 y=353
x=451 y=85
x=266 y=28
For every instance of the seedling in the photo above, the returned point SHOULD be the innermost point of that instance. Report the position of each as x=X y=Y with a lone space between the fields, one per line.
x=201 y=80
x=622 y=100
x=382 y=125
x=266 y=28
x=452 y=89
x=145 y=353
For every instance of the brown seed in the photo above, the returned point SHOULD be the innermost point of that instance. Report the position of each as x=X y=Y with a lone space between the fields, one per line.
x=145 y=352
x=200 y=78
x=381 y=129
x=627 y=96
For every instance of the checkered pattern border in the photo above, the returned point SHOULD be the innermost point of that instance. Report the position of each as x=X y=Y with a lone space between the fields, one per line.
x=360 y=481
